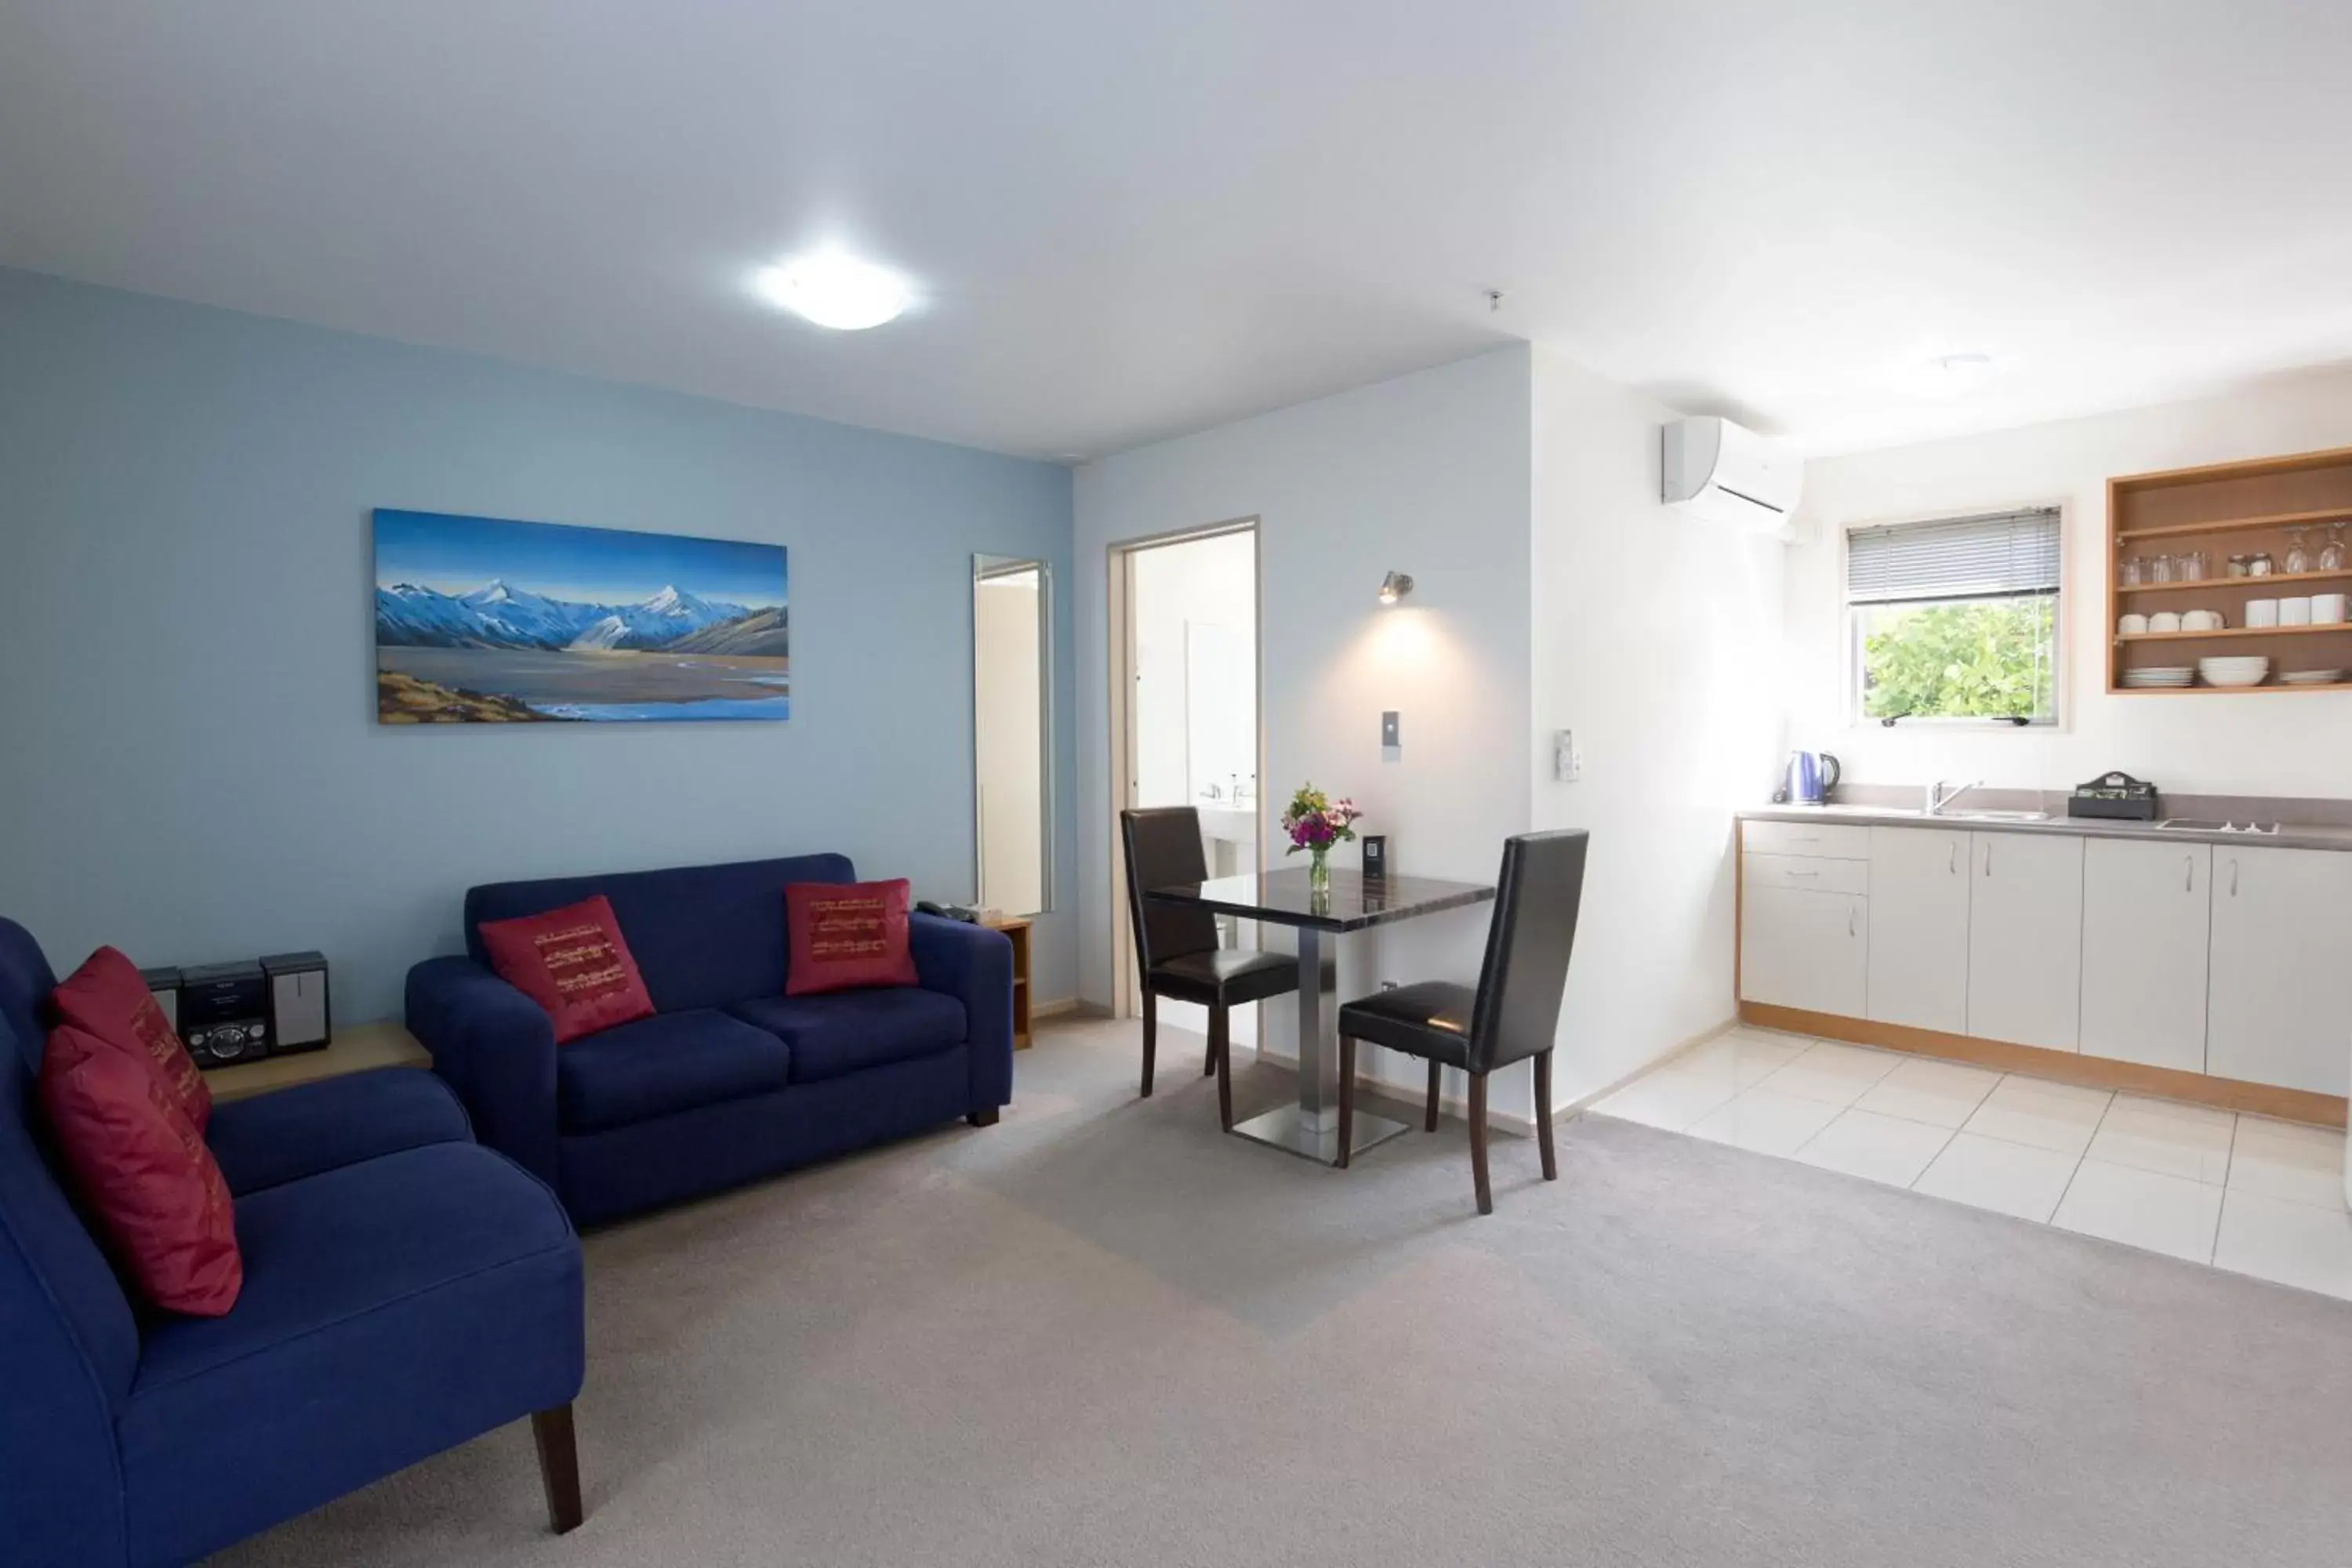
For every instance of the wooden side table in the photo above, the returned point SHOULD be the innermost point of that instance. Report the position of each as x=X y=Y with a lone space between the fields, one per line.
x=357 y=1047
x=1018 y=931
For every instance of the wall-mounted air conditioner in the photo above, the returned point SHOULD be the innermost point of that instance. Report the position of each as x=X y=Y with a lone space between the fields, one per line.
x=1725 y=473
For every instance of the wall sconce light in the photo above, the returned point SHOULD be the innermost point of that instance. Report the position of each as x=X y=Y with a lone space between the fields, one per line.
x=1394 y=586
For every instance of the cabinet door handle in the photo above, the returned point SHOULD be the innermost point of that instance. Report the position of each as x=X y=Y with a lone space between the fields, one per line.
x=1852 y=914
x=1988 y=856
x=1795 y=874
x=1955 y=866
x=2189 y=864
x=2234 y=878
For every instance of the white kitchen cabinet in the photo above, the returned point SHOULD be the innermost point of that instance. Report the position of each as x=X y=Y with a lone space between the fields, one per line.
x=1808 y=950
x=1919 y=928
x=2025 y=939
x=2280 y=1009
x=2147 y=909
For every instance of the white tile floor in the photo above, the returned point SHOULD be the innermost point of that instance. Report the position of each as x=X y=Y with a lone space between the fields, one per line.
x=2240 y=1193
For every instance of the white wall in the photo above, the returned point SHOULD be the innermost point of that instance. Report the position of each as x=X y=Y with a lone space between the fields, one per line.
x=2256 y=744
x=1427 y=474
x=1656 y=639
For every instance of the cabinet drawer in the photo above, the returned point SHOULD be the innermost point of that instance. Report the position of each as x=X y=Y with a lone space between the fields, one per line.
x=1807 y=874
x=1831 y=840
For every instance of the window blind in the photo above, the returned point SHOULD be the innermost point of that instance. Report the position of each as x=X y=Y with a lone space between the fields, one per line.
x=2004 y=553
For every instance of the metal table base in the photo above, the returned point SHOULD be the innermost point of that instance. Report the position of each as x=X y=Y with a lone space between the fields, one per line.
x=1311 y=1128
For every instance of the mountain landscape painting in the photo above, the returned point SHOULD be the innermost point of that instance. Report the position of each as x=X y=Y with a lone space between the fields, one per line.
x=481 y=620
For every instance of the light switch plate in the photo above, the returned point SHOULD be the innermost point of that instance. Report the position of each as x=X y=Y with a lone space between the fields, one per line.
x=1567 y=762
x=1389 y=730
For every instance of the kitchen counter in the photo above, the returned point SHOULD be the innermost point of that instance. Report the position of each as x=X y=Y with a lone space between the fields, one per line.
x=2290 y=835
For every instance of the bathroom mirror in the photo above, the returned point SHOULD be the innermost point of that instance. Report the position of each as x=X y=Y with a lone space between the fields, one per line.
x=1012 y=732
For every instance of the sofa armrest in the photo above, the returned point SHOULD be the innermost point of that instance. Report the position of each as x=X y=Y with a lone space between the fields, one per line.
x=496 y=1047
x=974 y=965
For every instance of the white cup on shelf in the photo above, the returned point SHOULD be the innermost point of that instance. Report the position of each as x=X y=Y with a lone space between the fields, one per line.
x=2132 y=626
x=2201 y=620
x=2164 y=621
x=2326 y=609
x=2295 y=612
x=2262 y=612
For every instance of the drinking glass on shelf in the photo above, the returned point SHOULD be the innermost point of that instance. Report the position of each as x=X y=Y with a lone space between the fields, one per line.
x=2135 y=572
x=2331 y=554
x=2159 y=568
x=2190 y=566
x=2298 y=559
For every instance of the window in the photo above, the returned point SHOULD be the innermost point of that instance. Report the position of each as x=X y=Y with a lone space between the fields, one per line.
x=1956 y=619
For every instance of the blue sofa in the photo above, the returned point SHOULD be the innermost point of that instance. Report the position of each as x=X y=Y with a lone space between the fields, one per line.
x=731 y=1079
x=405 y=1290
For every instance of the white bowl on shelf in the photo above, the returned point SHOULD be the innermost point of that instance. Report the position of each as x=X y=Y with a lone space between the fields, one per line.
x=2233 y=671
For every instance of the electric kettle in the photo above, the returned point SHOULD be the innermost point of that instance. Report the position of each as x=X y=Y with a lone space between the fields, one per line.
x=1811 y=777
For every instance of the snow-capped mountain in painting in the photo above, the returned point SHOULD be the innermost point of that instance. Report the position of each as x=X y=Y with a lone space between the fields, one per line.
x=498 y=615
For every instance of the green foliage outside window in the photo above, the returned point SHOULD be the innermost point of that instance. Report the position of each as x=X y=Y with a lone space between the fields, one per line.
x=1988 y=658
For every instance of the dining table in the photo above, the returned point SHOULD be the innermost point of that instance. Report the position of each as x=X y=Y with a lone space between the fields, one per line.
x=1351 y=901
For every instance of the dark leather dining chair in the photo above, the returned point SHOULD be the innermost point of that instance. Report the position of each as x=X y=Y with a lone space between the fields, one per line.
x=1176 y=947
x=1510 y=1017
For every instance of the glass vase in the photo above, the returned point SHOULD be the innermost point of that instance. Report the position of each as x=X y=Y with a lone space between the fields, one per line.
x=1318 y=870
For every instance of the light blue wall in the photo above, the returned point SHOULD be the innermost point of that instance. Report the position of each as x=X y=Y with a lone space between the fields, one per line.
x=191 y=767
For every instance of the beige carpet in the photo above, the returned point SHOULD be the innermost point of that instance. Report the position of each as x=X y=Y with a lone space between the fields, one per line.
x=1101 y=1334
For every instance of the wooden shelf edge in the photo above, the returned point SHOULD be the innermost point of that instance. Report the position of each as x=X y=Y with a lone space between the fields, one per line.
x=2243 y=468
x=2239 y=524
x=2220 y=691
x=2206 y=584
x=2234 y=632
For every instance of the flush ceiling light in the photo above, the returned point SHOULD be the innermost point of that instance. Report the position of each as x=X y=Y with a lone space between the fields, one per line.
x=1394 y=586
x=834 y=290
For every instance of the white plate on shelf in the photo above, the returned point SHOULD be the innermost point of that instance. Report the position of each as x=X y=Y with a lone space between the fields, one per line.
x=2311 y=678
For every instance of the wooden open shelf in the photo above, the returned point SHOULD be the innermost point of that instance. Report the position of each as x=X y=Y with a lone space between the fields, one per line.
x=2338 y=626
x=2230 y=507
x=2277 y=520
x=2249 y=585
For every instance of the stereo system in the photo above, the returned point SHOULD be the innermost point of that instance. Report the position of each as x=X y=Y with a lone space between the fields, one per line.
x=246 y=1011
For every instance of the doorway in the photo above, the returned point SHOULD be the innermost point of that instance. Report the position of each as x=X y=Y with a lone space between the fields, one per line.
x=1184 y=630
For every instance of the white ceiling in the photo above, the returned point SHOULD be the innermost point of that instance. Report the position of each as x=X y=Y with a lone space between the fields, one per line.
x=1129 y=220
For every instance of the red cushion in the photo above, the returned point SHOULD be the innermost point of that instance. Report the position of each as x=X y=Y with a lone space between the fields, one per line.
x=573 y=963
x=144 y=1172
x=846 y=935
x=105 y=997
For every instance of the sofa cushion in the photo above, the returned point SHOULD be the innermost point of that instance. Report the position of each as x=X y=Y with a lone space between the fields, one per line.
x=299 y=1131
x=848 y=936
x=392 y=1309
x=574 y=962
x=704 y=936
x=673 y=1061
x=848 y=1031
x=107 y=999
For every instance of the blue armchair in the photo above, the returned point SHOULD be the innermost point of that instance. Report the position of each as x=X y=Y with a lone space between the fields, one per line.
x=731 y=1079
x=405 y=1290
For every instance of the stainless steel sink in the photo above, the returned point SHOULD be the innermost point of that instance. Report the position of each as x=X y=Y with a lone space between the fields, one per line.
x=1998 y=815
x=2200 y=825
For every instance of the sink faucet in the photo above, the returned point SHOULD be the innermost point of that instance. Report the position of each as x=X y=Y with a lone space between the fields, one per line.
x=1939 y=796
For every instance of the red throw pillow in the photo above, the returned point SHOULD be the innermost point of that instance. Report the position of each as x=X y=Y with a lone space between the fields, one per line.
x=105 y=997
x=145 y=1172
x=845 y=935
x=573 y=963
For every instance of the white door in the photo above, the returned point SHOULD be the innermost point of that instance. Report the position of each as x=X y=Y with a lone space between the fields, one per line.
x=1919 y=928
x=2147 y=906
x=2281 y=1009
x=1804 y=950
x=2025 y=939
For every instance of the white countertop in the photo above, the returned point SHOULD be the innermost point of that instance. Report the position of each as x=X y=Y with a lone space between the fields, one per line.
x=2290 y=835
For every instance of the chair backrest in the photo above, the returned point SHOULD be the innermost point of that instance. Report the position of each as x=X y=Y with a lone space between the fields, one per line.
x=1517 y=1010
x=1164 y=850
x=68 y=1343
x=703 y=936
